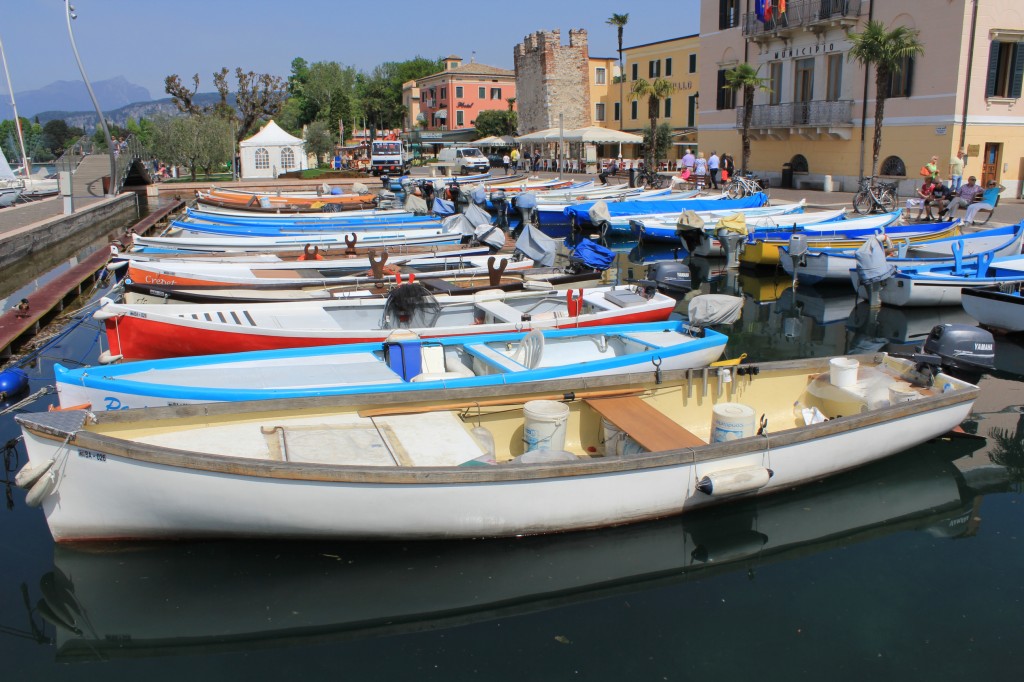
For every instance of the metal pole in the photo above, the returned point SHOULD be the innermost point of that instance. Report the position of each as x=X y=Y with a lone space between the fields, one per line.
x=561 y=145
x=14 y=107
x=69 y=10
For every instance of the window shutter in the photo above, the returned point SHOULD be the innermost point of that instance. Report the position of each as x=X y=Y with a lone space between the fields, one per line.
x=910 y=77
x=993 y=69
x=723 y=14
x=1018 y=71
x=720 y=101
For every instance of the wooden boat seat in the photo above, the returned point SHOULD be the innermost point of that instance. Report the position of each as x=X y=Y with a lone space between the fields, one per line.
x=500 y=311
x=644 y=424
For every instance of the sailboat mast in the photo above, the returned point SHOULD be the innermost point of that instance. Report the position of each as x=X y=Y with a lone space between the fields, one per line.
x=17 y=121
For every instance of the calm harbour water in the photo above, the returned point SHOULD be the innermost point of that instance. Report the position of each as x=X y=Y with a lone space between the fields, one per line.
x=910 y=569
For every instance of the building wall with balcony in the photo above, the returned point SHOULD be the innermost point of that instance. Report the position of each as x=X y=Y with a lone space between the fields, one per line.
x=452 y=99
x=817 y=104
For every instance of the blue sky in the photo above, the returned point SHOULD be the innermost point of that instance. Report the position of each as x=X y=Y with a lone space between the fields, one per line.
x=144 y=40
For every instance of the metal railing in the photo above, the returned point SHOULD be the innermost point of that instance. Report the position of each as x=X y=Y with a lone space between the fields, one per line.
x=794 y=114
x=128 y=153
x=801 y=14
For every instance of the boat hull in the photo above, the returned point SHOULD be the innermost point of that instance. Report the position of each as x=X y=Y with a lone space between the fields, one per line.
x=109 y=488
x=994 y=308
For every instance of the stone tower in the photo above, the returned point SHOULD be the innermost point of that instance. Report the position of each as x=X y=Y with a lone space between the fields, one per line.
x=551 y=79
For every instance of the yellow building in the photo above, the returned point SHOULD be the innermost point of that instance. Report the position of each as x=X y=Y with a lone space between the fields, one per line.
x=675 y=60
x=816 y=118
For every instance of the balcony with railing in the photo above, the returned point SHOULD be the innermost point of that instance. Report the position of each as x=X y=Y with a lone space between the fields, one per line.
x=800 y=15
x=809 y=119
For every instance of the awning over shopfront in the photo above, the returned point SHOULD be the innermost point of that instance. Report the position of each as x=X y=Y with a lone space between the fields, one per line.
x=441 y=113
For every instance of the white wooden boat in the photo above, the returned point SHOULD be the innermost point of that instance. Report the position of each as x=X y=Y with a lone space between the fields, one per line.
x=937 y=285
x=301 y=273
x=995 y=307
x=665 y=228
x=404 y=363
x=156 y=331
x=561 y=456
x=834 y=265
x=380 y=240
x=307 y=253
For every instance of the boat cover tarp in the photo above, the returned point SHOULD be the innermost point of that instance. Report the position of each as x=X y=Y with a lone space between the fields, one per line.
x=871 y=264
x=737 y=222
x=537 y=246
x=627 y=208
x=443 y=207
x=689 y=220
x=526 y=200
x=599 y=212
x=482 y=229
x=592 y=255
x=709 y=309
x=415 y=204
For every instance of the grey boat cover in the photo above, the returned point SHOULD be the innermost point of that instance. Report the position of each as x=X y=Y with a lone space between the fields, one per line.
x=537 y=246
x=478 y=195
x=416 y=204
x=599 y=212
x=871 y=264
x=709 y=309
x=482 y=229
x=360 y=188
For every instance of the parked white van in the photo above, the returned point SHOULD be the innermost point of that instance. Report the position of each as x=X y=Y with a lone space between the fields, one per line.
x=467 y=160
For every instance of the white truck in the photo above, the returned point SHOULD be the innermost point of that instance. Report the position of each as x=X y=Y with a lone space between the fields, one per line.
x=388 y=156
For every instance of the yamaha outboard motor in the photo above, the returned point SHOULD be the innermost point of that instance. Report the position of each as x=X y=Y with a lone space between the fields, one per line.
x=670 y=276
x=966 y=351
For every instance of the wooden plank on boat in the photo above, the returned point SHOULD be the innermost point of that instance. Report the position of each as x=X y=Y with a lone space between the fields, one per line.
x=644 y=424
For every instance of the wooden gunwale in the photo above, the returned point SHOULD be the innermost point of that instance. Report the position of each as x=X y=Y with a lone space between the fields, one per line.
x=171 y=457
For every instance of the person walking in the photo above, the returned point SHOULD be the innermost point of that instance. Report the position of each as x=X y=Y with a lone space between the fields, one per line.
x=506 y=161
x=689 y=159
x=713 y=167
x=515 y=159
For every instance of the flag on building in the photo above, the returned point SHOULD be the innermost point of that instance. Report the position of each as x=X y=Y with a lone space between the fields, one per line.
x=759 y=9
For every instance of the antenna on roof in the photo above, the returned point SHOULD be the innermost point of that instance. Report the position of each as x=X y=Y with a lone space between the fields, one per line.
x=472 y=58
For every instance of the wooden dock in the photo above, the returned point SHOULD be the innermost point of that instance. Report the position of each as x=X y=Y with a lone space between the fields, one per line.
x=46 y=303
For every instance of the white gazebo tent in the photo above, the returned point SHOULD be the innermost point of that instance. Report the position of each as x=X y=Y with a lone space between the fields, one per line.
x=271 y=152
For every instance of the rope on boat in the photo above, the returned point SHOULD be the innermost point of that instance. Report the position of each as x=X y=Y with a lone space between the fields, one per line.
x=45 y=390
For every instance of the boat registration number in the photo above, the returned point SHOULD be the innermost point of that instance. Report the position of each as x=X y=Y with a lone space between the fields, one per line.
x=89 y=454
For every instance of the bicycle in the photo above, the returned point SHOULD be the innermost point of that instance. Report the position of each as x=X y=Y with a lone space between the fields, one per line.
x=651 y=178
x=744 y=186
x=875 y=196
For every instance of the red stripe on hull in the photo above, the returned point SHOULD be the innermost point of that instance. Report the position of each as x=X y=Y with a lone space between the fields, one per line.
x=146 y=339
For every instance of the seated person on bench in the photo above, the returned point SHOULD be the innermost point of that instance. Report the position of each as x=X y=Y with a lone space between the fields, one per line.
x=988 y=201
x=963 y=197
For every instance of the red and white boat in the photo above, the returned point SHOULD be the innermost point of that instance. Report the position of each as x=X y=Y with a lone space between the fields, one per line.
x=141 y=332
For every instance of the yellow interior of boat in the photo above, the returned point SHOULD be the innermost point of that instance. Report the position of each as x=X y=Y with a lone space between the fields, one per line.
x=496 y=428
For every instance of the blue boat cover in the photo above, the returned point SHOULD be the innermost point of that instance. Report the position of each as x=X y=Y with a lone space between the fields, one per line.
x=626 y=208
x=592 y=254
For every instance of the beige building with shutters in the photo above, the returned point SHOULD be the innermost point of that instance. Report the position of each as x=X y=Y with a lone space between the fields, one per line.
x=817 y=117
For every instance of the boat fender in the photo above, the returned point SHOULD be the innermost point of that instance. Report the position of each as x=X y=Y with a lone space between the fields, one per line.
x=43 y=487
x=117 y=265
x=12 y=382
x=50 y=615
x=107 y=358
x=574 y=305
x=29 y=474
x=735 y=481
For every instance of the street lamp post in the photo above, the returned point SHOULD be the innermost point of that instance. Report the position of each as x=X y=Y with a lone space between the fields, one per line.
x=70 y=11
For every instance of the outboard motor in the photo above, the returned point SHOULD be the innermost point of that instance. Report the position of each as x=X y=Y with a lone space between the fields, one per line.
x=966 y=351
x=500 y=204
x=386 y=199
x=526 y=204
x=798 y=253
x=670 y=276
x=428 y=192
x=385 y=180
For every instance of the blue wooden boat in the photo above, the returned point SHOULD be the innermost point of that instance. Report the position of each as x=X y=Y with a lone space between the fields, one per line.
x=935 y=285
x=403 y=363
x=621 y=211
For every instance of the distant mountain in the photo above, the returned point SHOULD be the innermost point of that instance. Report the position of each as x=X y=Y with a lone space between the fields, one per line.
x=73 y=96
x=135 y=110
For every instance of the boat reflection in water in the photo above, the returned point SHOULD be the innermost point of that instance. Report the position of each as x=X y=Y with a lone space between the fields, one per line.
x=131 y=601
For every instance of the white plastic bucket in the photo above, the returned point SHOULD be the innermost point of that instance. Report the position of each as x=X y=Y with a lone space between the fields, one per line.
x=617 y=442
x=902 y=393
x=730 y=421
x=544 y=425
x=843 y=372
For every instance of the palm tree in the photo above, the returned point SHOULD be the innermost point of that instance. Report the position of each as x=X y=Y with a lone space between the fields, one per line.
x=654 y=91
x=745 y=76
x=889 y=51
x=619 y=21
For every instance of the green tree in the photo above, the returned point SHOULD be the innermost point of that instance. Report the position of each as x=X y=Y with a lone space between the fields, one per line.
x=662 y=140
x=888 y=51
x=195 y=142
x=744 y=77
x=58 y=136
x=619 y=21
x=654 y=91
x=495 y=122
x=320 y=139
x=142 y=130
